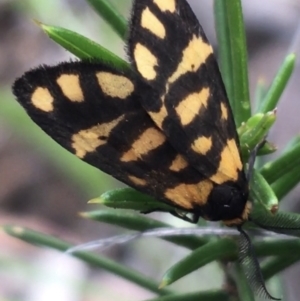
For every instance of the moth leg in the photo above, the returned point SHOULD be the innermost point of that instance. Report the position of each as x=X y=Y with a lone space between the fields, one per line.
x=153 y=210
x=194 y=218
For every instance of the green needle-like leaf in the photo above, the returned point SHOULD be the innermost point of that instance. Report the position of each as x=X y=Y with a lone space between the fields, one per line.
x=215 y=295
x=256 y=132
x=244 y=290
x=250 y=123
x=277 y=265
x=277 y=247
x=83 y=47
x=281 y=222
x=262 y=192
x=129 y=198
x=287 y=163
x=278 y=85
x=286 y=183
x=233 y=56
x=214 y=250
x=136 y=222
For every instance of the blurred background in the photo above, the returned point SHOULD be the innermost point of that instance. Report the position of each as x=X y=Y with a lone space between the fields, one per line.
x=43 y=187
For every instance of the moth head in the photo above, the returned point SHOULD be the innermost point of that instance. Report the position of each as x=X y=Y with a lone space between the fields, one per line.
x=228 y=203
x=242 y=218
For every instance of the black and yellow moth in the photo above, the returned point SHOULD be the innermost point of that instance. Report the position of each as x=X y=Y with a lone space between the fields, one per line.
x=164 y=127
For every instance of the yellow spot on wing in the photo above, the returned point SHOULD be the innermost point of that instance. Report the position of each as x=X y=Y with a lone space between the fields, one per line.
x=188 y=195
x=235 y=154
x=159 y=117
x=178 y=163
x=202 y=145
x=137 y=181
x=193 y=56
x=42 y=99
x=149 y=140
x=166 y=5
x=150 y=21
x=230 y=164
x=70 y=86
x=115 y=85
x=87 y=141
x=145 y=61
x=224 y=111
x=190 y=106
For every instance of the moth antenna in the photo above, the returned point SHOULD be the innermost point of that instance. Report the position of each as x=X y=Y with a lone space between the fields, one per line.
x=252 y=158
x=104 y=243
x=250 y=265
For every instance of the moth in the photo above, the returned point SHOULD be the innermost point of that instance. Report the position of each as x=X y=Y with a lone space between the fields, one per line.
x=163 y=126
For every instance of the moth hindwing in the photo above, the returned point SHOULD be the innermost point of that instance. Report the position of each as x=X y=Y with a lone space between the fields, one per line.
x=164 y=128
